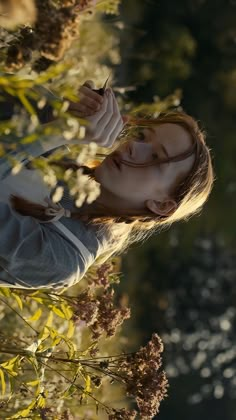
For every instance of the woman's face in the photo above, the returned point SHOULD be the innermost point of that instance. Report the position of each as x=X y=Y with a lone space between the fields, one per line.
x=128 y=187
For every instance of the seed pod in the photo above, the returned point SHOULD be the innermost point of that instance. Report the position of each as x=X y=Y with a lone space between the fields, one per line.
x=102 y=90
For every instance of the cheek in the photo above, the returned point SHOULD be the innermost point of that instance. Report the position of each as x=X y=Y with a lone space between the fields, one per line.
x=130 y=182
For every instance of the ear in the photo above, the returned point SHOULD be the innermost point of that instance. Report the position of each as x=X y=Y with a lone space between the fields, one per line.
x=163 y=208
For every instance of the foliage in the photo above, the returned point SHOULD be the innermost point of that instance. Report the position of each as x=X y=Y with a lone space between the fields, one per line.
x=58 y=360
x=55 y=354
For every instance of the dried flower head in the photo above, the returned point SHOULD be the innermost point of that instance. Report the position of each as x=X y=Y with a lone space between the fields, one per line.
x=85 y=307
x=109 y=318
x=144 y=380
x=122 y=414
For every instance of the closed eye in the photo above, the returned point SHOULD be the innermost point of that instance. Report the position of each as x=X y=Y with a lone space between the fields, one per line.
x=140 y=136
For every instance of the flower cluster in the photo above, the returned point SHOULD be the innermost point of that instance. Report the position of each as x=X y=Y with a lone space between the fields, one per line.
x=99 y=312
x=143 y=378
x=109 y=318
x=84 y=189
x=85 y=308
x=55 y=29
x=102 y=279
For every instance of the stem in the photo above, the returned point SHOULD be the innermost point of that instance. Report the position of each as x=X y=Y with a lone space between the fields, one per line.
x=77 y=386
x=14 y=310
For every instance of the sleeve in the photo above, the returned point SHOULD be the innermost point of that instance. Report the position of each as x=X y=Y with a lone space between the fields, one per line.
x=35 y=254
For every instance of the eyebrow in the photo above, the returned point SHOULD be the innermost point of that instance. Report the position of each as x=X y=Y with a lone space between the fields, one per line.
x=161 y=145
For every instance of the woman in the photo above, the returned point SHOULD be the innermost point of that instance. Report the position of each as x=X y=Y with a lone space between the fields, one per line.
x=161 y=174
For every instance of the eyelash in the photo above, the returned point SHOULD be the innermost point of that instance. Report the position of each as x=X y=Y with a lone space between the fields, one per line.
x=141 y=136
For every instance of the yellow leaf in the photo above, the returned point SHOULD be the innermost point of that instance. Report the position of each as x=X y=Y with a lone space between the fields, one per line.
x=37 y=299
x=58 y=311
x=54 y=333
x=56 y=341
x=9 y=365
x=4 y=291
x=33 y=383
x=25 y=412
x=36 y=316
x=29 y=139
x=44 y=333
x=49 y=320
x=3 y=382
x=71 y=347
x=88 y=384
x=26 y=103
x=18 y=299
x=67 y=310
x=71 y=329
x=41 y=402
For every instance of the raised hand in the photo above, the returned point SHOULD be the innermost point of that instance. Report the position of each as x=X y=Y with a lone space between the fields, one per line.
x=102 y=113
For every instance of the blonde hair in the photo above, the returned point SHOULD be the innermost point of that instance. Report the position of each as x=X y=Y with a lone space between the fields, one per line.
x=190 y=194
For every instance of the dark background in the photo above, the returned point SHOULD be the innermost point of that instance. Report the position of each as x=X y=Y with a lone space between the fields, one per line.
x=181 y=282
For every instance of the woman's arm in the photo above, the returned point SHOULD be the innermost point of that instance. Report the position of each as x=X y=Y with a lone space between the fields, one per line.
x=102 y=113
x=36 y=254
x=104 y=125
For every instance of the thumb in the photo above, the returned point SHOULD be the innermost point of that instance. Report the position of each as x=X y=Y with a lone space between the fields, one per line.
x=89 y=84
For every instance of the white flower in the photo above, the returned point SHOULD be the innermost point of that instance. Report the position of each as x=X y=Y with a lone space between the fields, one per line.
x=68 y=174
x=50 y=178
x=17 y=168
x=58 y=194
x=80 y=200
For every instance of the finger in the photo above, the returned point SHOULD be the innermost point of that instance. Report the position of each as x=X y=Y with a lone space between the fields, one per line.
x=81 y=110
x=87 y=92
x=86 y=101
x=113 y=130
x=115 y=104
x=105 y=118
x=98 y=116
x=114 y=133
x=115 y=124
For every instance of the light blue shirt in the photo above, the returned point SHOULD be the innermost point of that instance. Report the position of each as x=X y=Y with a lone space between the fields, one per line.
x=36 y=255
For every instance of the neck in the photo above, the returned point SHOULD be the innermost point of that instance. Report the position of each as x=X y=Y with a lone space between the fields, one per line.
x=106 y=205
